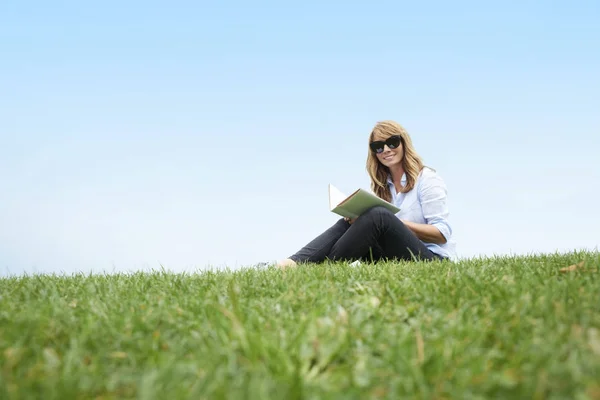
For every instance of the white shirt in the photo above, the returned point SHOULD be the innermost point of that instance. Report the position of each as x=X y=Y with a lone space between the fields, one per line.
x=426 y=203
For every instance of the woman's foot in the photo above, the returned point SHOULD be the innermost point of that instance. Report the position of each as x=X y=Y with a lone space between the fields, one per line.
x=286 y=263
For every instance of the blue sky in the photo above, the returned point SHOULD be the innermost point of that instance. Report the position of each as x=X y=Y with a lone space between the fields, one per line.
x=204 y=134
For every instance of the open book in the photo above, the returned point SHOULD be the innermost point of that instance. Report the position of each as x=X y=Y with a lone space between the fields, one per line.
x=357 y=203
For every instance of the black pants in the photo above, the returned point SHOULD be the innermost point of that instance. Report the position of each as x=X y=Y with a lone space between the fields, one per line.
x=376 y=235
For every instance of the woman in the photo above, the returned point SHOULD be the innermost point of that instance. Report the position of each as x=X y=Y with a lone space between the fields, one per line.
x=419 y=231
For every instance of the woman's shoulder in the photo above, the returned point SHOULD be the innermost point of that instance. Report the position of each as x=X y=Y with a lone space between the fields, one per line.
x=428 y=173
x=430 y=177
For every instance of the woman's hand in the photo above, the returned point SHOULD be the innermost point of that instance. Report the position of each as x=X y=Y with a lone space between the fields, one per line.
x=349 y=220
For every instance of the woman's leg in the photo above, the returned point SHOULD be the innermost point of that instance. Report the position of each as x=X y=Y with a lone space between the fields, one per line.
x=379 y=231
x=318 y=248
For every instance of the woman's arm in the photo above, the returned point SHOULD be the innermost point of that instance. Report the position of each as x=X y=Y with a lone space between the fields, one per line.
x=433 y=198
x=425 y=232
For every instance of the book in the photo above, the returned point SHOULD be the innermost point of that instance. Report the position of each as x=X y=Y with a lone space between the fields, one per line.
x=357 y=203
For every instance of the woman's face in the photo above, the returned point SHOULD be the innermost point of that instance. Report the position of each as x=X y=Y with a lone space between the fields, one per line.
x=389 y=150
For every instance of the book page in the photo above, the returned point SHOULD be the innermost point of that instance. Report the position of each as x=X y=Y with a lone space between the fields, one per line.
x=335 y=197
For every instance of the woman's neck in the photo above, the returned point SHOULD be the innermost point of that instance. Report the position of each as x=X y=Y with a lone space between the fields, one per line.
x=396 y=171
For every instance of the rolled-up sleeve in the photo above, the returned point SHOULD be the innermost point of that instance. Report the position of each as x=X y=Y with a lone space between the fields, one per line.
x=433 y=198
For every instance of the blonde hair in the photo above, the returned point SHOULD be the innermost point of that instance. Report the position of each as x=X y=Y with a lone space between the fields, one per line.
x=411 y=161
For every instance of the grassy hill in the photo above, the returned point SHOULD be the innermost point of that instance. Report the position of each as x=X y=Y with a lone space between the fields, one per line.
x=510 y=328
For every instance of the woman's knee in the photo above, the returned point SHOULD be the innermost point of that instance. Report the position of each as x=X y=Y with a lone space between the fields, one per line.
x=378 y=212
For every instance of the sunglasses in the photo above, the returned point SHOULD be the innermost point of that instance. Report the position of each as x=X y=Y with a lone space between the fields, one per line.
x=392 y=142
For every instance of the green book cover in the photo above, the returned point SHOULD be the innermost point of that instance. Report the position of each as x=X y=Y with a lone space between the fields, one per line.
x=357 y=203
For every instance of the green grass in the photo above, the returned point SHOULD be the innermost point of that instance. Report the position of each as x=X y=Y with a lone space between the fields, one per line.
x=512 y=328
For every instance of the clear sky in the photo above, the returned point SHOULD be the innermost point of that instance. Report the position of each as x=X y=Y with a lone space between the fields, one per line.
x=203 y=134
